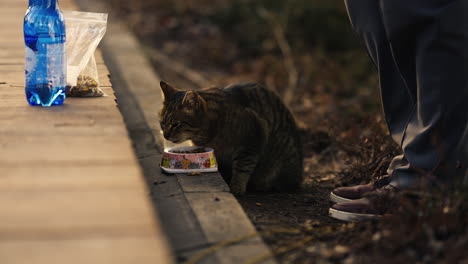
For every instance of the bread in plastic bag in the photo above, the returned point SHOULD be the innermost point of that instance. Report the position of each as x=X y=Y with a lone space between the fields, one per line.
x=84 y=32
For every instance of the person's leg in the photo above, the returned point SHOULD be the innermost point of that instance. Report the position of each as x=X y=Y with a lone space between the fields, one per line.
x=418 y=49
x=429 y=41
x=398 y=100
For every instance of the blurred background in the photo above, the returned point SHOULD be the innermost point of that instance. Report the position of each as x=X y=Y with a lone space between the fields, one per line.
x=306 y=51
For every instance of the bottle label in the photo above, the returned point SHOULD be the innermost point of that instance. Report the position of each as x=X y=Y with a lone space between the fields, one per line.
x=46 y=66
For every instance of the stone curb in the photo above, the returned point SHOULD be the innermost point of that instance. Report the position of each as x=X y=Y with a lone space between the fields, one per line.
x=196 y=212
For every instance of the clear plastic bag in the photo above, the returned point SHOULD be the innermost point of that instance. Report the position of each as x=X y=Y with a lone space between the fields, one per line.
x=84 y=32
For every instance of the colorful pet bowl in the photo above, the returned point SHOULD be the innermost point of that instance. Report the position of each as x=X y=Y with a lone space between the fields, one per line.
x=188 y=160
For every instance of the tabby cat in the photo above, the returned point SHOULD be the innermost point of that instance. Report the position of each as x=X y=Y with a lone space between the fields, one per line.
x=254 y=136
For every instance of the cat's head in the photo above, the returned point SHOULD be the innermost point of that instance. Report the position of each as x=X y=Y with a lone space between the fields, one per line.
x=182 y=116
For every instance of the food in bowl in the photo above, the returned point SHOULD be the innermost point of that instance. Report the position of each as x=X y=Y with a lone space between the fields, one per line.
x=188 y=160
x=186 y=151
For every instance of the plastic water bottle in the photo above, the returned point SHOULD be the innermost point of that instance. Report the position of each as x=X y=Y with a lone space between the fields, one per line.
x=44 y=36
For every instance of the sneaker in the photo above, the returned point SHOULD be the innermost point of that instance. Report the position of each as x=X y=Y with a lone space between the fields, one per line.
x=348 y=194
x=367 y=208
x=354 y=211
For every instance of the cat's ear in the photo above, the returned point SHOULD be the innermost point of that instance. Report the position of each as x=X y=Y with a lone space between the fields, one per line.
x=193 y=101
x=168 y=90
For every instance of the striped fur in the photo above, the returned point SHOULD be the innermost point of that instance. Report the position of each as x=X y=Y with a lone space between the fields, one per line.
x=252 y=132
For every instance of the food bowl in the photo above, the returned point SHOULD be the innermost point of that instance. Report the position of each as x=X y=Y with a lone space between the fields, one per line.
x=188 y=160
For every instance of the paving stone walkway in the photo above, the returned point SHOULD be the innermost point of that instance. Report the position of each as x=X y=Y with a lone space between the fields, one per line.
x=71 y=189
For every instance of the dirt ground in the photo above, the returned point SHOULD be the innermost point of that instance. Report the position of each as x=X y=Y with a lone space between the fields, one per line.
x=331 y=88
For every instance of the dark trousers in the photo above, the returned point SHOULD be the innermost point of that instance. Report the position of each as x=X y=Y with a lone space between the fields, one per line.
x=420 y=49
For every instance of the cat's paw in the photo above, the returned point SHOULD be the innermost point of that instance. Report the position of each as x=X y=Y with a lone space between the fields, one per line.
x=237 y=189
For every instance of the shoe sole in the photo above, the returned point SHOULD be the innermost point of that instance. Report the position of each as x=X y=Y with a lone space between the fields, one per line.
x=351 y=217
x=338 y=199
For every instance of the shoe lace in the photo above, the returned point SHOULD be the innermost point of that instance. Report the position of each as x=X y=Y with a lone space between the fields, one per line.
x=381 y=180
